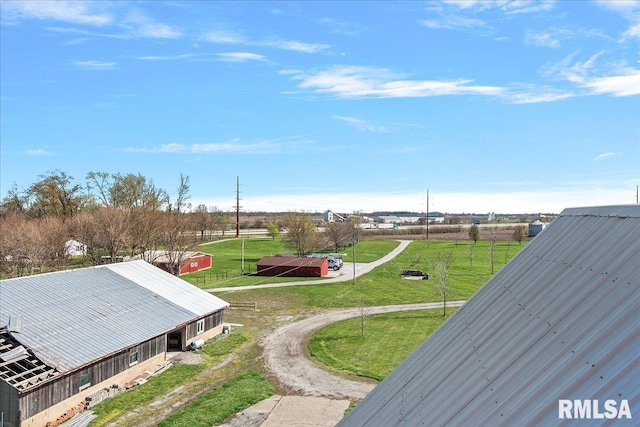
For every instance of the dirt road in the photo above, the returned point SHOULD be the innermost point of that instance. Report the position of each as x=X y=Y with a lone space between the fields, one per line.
x=286 y=357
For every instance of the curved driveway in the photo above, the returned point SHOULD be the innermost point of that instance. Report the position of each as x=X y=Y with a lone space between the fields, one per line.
x=285 y=347
x=285 y=354
x=346 y=273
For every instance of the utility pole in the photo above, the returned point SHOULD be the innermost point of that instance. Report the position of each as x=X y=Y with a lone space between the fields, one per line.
x=427 y=214
x=237 y=206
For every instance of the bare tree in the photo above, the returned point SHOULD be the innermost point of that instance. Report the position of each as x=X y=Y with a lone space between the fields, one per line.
x=301 y=233
x=126 y=191
x=176 y=240
x=441 y=265
x=144 y=229
x=15 y=201
x=339 y=234
x=470 y=255
x=202 y=220
x=111 y=226
x=183 y=194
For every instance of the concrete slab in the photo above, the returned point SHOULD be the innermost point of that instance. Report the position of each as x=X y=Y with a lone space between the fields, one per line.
x=306 y=411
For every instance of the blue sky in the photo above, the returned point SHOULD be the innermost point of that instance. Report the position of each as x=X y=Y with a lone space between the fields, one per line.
x=492 y=106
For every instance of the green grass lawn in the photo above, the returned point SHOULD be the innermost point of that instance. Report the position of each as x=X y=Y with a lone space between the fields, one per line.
x=222 y=402
x=383 y=285
x=388 y=339
x=227 y=261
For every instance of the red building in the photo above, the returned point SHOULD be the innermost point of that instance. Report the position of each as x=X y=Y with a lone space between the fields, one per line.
x=190 y=261
x=286 y=266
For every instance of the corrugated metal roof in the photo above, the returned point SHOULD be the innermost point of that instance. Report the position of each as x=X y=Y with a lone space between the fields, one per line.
x=291 y=261
x=169 y=287
x=74 y=317
x=560 y=321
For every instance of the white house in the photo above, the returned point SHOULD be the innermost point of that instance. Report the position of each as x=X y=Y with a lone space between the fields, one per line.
x=74 y=248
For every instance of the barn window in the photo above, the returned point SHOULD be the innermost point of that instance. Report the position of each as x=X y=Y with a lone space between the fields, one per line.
x=200 y=326
x=85 y=381
x=133 y=358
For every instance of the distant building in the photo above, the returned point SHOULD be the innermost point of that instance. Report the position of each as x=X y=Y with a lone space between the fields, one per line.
x=286 y=266
x=558 y=324
x=71 y=334
x=190 y=262
x=74 y=248
x=535 y=228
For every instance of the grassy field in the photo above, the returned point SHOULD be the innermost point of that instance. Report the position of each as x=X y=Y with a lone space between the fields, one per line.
x=227 y=261
x=383 y=285
x=387 y=340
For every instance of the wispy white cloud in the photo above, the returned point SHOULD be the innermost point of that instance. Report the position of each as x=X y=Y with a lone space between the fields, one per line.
x=528 y=94
x=223 y=37
x=595 y=78
x=625 y=84
x=465 y=14
x=454 y=22
x=604 y=156
x=38 y=152
x=240 y=57
x=181 y=57
x=341 y=27
x=372 y=82
x=155 y=30
x=76 y=12
x=294 y=46
x=361 y=124
x=95 y=65
x=516 y=7
x=632 y=33
x=234 y=146
x=91 y=13
x=234 y=38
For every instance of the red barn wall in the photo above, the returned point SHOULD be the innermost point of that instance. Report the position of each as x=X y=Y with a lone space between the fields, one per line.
x=196 y=263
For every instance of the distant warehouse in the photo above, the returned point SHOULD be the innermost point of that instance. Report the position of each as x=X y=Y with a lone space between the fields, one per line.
x=69 y=335
x=287 y=266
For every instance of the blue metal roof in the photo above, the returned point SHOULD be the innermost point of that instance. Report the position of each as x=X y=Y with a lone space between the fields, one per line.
x=559 y=321
x=74 y=317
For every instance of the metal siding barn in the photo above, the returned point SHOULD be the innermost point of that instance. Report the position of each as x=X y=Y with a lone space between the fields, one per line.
x=292 y=266
x=559 y=321
x=56 y=326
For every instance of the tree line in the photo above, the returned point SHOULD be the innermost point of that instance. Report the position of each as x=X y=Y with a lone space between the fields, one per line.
x=113 y=215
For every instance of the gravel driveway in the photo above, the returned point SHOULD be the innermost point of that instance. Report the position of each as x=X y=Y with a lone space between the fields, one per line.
x=286 y=357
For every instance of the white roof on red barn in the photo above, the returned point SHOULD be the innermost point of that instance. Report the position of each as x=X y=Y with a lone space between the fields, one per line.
x=559 y=321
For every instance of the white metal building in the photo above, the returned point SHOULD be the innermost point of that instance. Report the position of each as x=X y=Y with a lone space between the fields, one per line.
x=69 y=334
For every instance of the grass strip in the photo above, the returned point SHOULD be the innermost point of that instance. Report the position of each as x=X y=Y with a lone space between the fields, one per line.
x=221 y=403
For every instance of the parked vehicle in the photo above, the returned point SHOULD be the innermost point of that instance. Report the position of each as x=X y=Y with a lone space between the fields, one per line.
x=335 y=264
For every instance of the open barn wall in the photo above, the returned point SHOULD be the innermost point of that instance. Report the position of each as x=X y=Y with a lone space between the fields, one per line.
x=98 y=375
x=9 y=405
